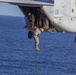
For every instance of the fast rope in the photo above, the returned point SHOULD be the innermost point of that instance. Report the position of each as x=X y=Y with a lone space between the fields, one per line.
x=36 y=62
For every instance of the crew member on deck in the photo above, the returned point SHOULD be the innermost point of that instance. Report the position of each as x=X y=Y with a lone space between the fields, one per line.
x=40 y=21
x=46 y=23
x=31 y=18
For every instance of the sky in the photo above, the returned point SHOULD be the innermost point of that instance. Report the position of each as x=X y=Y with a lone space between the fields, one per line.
x=10 y=10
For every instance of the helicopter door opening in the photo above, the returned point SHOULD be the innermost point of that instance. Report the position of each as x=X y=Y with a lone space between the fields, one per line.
x=36 y=18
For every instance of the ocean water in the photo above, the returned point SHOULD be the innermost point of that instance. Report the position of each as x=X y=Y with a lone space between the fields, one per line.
x=57 y=54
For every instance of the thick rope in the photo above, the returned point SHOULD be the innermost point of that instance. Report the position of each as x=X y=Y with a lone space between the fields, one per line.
x=36 y=62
